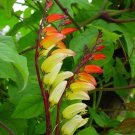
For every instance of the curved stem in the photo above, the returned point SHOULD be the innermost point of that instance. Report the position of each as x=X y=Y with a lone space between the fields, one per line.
x=6 y=128
x=44 y=94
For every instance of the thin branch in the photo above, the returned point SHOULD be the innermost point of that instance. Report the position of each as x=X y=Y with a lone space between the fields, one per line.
x=27 y=50
x=44 y=94
x=82 y=63
x=6 y=128
x=67 y=14
x=116 y=88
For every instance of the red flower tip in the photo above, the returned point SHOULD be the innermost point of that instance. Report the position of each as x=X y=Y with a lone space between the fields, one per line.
x=93 y=69
x=99 y=56
x=66 y=31
x=99 y=48
x=54 y=17
x=66 y=22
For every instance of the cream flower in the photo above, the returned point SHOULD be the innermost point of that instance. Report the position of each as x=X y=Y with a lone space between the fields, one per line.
x=70 y=126
x=73 y=110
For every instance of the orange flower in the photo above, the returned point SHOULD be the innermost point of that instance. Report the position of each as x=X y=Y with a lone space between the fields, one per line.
x=66 y=31
x=83 y=76
x=61 y=45
x=51 y=40
x=93 y=69
x=54 y=17
x=50 y=30
x=99 y=56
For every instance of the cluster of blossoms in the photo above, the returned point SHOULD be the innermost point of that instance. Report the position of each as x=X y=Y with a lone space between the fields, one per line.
x=54 y=51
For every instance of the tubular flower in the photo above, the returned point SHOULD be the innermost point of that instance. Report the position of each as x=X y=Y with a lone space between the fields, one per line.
x=83 y=76
x=81 y=86
x=99 y=56
x=51 y=40
x=57 y=92
x=62 y=76
x=51 y=61
x=50 y=30
x=45 y=52
x=73 y=110
x=80 y=95
x=66 y=31
x=70 y=126
x=99 y=48
x=50 y=77
x=93 y=69
x=60 y=45
x=54 y=17
x=64 y=51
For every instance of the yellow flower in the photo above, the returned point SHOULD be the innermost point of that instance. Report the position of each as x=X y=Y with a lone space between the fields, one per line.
x=83 y=86
x=70 y=126
x=44 y=52
x=50 y=77
x=81 y=95
x=73 y=110
x=57 y=92
x=62 y=76
x=51 y=61
x=65 y=51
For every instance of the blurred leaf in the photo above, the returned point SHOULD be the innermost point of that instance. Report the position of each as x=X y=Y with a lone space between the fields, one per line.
x=99 y=121
x=127 y=126
x=18 y=126
x=9 y=54
x=40 y=128
x=130 y=106
x=7 y=6
x=88 y=131
x=29 y=106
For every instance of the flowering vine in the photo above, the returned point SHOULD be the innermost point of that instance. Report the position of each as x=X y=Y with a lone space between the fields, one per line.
x=69 y=85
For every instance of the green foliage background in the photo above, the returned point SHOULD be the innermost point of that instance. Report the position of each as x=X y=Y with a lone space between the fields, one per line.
x=21 y=105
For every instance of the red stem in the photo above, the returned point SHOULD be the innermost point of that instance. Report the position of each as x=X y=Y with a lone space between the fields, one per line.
x=6 y=128
x=44 y=94
x=83 y=62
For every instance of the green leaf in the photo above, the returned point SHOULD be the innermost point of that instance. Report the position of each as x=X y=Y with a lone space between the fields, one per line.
x=96 y=117
x=29 y=106
x=9 y=54
x=18 y=126
x=88 y=37
x=7 y=5
x=40 y=128
x=88 y=131
x=7 y=70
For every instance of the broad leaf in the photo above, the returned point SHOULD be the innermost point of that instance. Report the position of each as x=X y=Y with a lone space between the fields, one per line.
x=29 y=106
x=9 y=54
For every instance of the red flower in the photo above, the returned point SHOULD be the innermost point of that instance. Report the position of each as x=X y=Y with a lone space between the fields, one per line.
x=93 y=69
